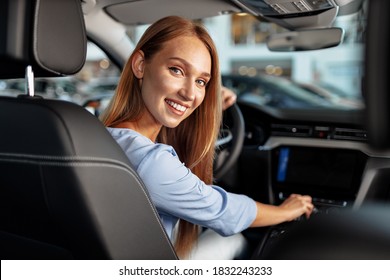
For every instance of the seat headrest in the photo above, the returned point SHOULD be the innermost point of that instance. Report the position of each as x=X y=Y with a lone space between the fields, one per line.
x=49 y=35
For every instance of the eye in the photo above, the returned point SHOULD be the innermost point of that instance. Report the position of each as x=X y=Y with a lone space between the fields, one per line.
x=201 y=82
x=176 y=70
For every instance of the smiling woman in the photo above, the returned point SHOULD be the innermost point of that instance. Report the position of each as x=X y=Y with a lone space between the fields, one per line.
x=173 y=74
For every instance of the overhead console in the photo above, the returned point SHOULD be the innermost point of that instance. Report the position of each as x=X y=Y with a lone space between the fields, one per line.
x=288 y=13
x=331 y=176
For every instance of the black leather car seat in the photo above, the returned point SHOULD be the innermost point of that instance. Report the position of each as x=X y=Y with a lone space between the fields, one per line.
x=67 y=190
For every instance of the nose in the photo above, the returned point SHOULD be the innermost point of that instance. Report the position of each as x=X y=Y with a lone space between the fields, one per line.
x=187 y=92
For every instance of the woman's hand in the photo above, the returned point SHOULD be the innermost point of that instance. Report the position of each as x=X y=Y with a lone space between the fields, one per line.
x=228 y=98
x=293 y=207
x=297 y=205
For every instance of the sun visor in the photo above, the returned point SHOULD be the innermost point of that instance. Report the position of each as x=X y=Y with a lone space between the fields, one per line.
x=49 y=35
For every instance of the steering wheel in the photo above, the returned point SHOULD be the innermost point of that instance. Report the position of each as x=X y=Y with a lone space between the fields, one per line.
x=229 y=144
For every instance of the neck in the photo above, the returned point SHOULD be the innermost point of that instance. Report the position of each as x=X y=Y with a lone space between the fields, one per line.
x=147 y=130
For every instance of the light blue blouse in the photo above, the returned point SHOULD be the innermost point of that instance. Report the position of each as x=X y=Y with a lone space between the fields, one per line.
x=177 y=193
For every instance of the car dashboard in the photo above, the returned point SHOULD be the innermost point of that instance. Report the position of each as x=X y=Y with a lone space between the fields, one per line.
x=324 y=154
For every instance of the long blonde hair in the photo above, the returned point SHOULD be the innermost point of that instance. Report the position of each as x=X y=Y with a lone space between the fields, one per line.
x=194 y=138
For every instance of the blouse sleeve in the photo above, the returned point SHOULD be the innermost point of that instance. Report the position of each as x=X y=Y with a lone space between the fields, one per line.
x=175 y=190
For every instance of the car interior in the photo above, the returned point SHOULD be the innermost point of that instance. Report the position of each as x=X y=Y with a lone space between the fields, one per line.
x=68 y=191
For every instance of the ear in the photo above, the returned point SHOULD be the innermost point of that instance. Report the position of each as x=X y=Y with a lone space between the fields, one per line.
x=138 y=64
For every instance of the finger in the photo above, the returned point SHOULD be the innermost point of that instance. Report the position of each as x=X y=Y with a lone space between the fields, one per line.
x=307 y=198
x=230 y=100
x=310 y=208
x=233 y=98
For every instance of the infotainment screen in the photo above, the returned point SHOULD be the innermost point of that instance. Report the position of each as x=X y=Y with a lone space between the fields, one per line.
x=318 y=171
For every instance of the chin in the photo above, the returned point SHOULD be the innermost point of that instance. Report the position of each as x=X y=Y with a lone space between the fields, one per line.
x=171 y=125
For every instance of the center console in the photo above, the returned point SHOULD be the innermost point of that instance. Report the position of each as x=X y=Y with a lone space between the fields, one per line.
x=331 y=177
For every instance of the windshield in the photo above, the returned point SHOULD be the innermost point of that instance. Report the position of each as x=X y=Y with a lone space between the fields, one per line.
x=321 y=78
x=328 y=78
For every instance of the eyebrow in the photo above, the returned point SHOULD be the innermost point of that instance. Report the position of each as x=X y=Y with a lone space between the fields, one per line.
x=189 y=65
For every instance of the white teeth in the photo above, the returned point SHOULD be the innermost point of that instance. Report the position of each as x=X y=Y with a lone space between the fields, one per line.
x=176 y=106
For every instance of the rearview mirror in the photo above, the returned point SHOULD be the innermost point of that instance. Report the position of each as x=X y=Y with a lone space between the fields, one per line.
x=305 y=40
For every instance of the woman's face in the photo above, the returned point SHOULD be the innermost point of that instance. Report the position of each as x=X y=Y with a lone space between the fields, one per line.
x=174 y=80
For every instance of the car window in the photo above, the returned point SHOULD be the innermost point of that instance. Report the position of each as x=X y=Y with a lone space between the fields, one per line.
x=328 y=78
x=92 y=87
x=325 y=78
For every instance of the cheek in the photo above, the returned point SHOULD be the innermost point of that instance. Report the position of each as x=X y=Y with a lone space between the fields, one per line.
x=163 y=84
x=154 y=87
x=199 y=99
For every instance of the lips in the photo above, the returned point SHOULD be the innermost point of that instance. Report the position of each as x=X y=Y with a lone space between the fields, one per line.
x=176 y=106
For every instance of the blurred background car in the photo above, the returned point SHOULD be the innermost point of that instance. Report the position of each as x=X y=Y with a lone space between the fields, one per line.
x=273 y=91
x=334 y=95
x=97 y=94
x=61 y=88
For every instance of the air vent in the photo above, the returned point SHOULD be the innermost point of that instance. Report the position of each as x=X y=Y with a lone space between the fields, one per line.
x=291 y=130
x=350 y=134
